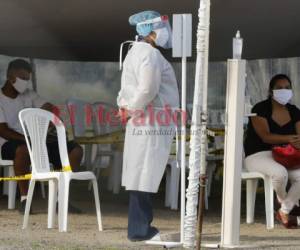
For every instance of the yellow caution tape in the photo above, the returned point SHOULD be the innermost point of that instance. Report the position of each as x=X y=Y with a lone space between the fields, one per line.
x=16 y=178
x=67 y=169
x=28 y=176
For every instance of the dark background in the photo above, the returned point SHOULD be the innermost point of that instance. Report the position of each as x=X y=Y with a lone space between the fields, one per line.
x=92 y=30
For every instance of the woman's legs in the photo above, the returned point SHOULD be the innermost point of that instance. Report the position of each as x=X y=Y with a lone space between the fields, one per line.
x=293 y=194
x=140 y=216
x=264 y=163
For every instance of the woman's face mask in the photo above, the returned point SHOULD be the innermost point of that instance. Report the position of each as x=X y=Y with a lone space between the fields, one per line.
x=162 y=37
x=282 y=96
x=21 y=85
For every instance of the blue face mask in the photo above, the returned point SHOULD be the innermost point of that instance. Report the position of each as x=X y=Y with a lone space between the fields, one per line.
x=162 y=37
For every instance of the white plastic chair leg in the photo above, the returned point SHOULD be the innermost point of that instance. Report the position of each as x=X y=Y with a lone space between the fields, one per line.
x=28 y=203
x=269 y=202
x=88 y=156
x=211 y=167
x=168 y=183
x=43 y=190
x=5 y=183
x=110 y=182
x=117 y=171
x=97 y=203
x=63 y=202
x=206 y=197
x=98 y=171
x=12 y=187
x=52 y=200
x=174 y=186
x=95 y=169
x=251 y=195
x=114 y=180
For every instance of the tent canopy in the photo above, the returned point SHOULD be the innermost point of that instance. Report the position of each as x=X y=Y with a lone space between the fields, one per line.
x=93 y=30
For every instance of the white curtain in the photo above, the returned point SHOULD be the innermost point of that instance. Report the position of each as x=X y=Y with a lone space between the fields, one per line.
x=260 y=72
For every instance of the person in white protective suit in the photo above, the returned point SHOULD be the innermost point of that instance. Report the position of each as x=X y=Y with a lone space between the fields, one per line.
x=149 y=94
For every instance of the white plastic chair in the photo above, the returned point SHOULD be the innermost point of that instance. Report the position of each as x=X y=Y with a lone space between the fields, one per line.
x=9 y=187
x=35 y=123
x=251 y=179
x=105 y=152
x=172 y=184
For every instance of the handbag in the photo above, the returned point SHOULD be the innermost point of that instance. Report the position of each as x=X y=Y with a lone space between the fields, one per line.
x=287 y=155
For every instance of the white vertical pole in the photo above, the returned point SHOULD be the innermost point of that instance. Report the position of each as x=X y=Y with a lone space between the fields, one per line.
x=183 y=128
x=182 y=47
x=33 y=74
x=231 y=208
x=197 y=159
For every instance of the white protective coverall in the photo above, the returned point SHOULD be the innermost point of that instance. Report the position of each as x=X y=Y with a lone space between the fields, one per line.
x=147 y=79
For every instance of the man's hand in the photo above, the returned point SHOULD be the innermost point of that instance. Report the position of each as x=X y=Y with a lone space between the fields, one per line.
x=295 y=141
x=49 y=107
x=124 y=115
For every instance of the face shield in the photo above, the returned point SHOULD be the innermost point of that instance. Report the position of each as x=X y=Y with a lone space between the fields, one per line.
x=161 y=26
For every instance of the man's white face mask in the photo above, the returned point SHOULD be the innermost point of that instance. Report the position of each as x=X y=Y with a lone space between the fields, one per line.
x=282 y=96
x=21 y=85
x=162 y=37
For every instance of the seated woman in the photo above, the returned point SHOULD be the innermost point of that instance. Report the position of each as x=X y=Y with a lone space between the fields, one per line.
x=277 y=123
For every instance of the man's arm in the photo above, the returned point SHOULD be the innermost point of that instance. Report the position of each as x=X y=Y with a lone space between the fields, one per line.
x=39 y=102
x=10 y=134
x=53 y=109
x=6 y=132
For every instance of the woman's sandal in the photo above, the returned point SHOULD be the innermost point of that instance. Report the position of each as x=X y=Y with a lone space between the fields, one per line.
x=287 y=221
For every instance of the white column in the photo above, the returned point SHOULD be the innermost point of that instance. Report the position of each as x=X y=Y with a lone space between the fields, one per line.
x=235 y=96
x=33 y=74
x=197 y=159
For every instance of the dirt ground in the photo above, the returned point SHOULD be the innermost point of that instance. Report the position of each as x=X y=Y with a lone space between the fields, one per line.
x=83 y=232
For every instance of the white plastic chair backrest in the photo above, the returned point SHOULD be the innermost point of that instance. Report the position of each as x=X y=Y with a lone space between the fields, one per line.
x=4 y=163
x=101 y=124
x=35 y=123
x=244 y=170
x=78 y=112
x=219 y=142
x=189 y=109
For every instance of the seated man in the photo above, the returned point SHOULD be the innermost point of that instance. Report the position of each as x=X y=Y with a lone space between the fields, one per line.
x=15 y=95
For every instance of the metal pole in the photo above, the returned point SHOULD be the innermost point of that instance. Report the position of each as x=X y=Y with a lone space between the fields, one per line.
x=201 y=210
x=182 y=47
x=183 y=130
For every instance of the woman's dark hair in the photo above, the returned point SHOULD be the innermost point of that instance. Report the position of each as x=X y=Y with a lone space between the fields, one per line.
x=277 y=78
